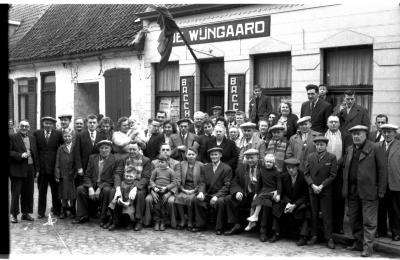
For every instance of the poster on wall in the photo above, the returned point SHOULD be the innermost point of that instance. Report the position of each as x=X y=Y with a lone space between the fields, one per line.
x=171 y=106
x=187 y=96
x=236 y=84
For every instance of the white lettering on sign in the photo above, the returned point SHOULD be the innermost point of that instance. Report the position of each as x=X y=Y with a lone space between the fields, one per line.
x=183 y=82
x=234 y=93
x=178 y=38
x=186 y=98
x=260 y=26
x=233 y=81
x=235 y=98
x=187 y=113
x=235 y=106
x=184 y=90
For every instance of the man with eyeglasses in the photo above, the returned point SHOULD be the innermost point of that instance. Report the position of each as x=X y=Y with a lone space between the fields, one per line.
x=24 y=167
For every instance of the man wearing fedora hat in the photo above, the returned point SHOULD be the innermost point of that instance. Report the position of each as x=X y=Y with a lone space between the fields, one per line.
x=364 y=182
x=215 y=181
x=392 y=148
x=48 y=139
x=181 y=141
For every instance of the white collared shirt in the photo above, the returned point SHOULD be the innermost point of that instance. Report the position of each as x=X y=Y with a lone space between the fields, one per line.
x=335 y=145
x=215 y=166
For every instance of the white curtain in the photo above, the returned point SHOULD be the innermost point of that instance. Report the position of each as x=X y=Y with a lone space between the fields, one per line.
x=273 y=71
x=168 y=78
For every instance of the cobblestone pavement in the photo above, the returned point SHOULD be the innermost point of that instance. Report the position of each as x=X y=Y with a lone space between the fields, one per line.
x=36 y=238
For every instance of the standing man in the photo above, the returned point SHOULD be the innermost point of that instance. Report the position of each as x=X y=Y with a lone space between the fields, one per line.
x=260 y=105
x=208 y=128
x=323 y=94
x=24 y=166
x=155 y=140
x=264 y=134
x=250 y=140
x=161 y=116
x=183 y=140
x=198 y=118
x=79 y=124
x=215 y=181
x=48 y=140
x=317 y=108
x=65 y=120
x=364 y=181
x=392 y=148
x=230 y=117
x=377 y=136
x=216 y=111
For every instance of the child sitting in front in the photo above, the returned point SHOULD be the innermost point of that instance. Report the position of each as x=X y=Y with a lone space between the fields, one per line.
x=162 y=186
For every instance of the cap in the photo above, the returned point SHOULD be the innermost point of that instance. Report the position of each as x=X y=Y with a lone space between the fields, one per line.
x=65 y=115
x=389 y=126
x=230 y=112
x=215 y=149
x=188 y=120
x=359 y=127
x=276 y=127
x=216 y=108
x=49 y=118
x=292 y=161
x=321 y=138
x=304 y=119
x=248 y=125
x=107 y=142
x=251 y=151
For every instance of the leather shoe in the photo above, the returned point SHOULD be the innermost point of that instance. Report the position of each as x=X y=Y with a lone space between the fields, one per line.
x=81 y=220
x=41 y=216
x=107 y=225
x=331 y=244
x=189 y=228
x=396 y=238
x=14 y=219
x=156 y=227
x=197 y=229
x=354 y=247
x=112 y=227
x=312 y=241
x=162 y=226
x=274 y=238
x=263 y=237
x=218 y=232
x=367 y=252
x=26 y=217
x=138 y=226
x=235 y=230
x=302 y=241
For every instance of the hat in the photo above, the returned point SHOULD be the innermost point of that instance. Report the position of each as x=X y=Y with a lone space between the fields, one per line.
x=359 y=127
x=230 y=112
x=49 y=118
x=276 y=127
x=215 y=149
x=251 y=151
x=65 y=115
x=188 y=120
x=248 y=125
x=292 y=161
x=216 y=108
x=105 y=141
x=389 y=126
x=321 y=138
x=304 y=119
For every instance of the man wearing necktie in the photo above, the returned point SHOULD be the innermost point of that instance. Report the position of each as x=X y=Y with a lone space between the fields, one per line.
x=215 y=181
x=65 y=121
x=181 y=141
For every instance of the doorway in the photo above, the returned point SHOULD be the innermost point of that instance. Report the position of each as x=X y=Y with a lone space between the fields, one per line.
x=86 y=99
x=212 y=95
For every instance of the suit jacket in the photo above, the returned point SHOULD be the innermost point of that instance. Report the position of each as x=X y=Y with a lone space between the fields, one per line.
x=264 y=107
x=321 y=172
x=153 y=146
x=371 y=173
x=297 y=194
x=47 y=151
x=218 y=183
x=257 y=143
x=229 y=153
x=84 y=148
x=202 y=151
x=147 y=168
x=393 y=165
x=196 y=174
x=357 y=116
x=319 y=116
x=19 y=165
x=297 y=149
x=108 y=176
x=65 y=162
x=175 y=141
x=241 y=180
x=372 y=136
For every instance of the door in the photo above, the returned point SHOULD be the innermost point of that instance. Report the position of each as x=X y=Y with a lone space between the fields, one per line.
x=86 y=99
x=212 y=95
x=48 y=95
x=118 y=93
x=208 y=99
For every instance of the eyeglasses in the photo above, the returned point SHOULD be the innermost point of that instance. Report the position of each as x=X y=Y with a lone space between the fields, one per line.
x=24 y=126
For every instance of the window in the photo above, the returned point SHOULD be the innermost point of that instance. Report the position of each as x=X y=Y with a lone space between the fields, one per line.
x=349 y=68
x=27 y=100
x=48 y=94
x=167 y=90
x=273 y=73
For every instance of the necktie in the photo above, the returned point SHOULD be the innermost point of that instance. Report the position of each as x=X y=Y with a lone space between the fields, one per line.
x=311 y=107
x=47 y=136
x=215 y=167
x=92 y=137
x=378 y=138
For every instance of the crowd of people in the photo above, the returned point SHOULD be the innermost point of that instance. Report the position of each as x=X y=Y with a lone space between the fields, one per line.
x=283 y=174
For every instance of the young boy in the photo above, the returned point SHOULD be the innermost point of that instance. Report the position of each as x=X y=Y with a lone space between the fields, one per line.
x=162 y=186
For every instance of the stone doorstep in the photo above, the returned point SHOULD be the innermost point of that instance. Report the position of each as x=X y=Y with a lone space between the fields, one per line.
x=385 y=245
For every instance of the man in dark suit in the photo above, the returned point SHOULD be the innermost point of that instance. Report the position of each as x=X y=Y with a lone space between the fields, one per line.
x=183 y=140
x=154 y=142
x=24 y=166
x=317 y=108
x=48 y=140
x=392 y=148
x=98 y=183
x=364 y=181
x=260 y=105
x=215 y=180
x=376 y=136
x=295 y=200
x=242 y=189
x=321 y=168
x=202 y=140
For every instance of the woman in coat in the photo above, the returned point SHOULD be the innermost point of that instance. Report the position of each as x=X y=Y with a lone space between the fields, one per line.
x=287 y=119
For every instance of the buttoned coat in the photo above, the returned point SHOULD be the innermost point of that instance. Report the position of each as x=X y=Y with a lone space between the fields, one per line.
x=229 y=151
x=296 y=194
x=19 y=165
x=84 y=148
x=175 y=140
x=202 y=150
x=298 y=149
x=241 y=180
x=371 y=173
x=393 y=165
x=264 y=107
x=65 y=162
x=147 y=168
x=321 y=171
x=47 y=151
x=107 y=177
x=319 y=116
x=196 y=174
x=218 y=183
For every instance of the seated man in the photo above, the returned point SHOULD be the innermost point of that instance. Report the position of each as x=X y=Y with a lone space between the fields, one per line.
x=242 y=189
x=295 y=199
x=215 y=181
x=98 y=183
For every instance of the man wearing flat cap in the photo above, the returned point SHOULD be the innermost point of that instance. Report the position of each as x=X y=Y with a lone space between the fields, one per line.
x=259 y=105
x=242 y=189
x=250 y=140
x=317 y=108
x=181 y=141
x=277 y=145
x=295 y=199
x=216 y=111
x=215 y=181
x=230 y=117
x=301 y=144
x=48 y=139
x=98 y=183
x=364 y=182
x=65 y=120
x=392 y=152
x=321 y=169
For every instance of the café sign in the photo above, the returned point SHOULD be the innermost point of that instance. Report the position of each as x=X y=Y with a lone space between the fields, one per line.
x=187 y=96
x=225 y=31
x=236 y=91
